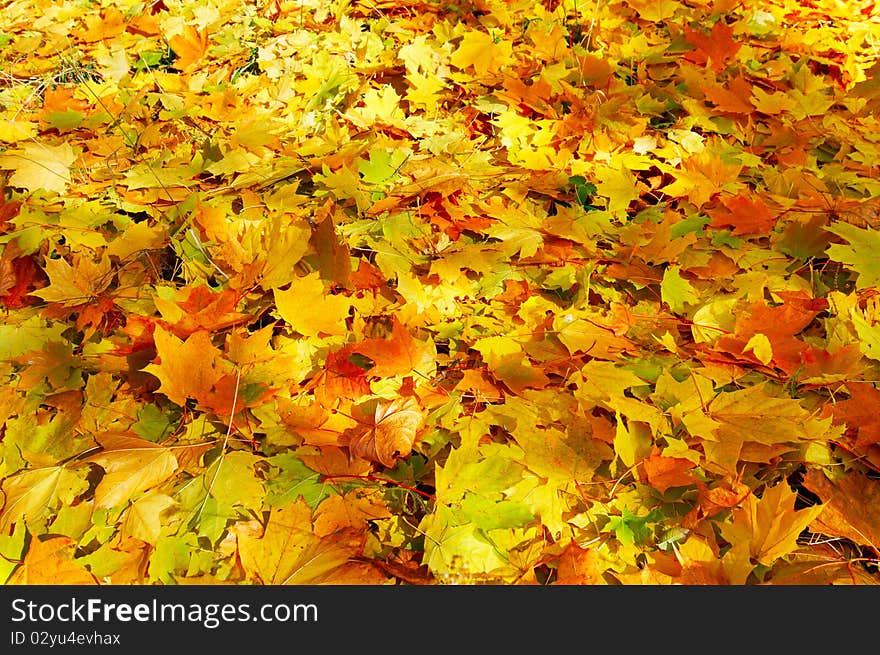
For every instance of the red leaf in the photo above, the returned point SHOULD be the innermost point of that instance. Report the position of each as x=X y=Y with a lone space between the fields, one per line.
x=17 y=278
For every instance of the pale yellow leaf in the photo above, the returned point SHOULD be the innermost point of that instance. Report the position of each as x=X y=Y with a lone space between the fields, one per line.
x=40 y=166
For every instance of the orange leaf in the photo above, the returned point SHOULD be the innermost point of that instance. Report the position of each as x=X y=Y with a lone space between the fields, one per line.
x=199 y=308
x=666 y=472
x=851 y=507
x=353 y=510
x=734 y=98
x=392 y=433
x=860 y=414
x=729 y=493
x=341 y=378
x=189 y=46
x=779 y=324
x=186 y=369
x=50 y=561
x=399 y=355
x=713 y=50
x=579 y=566
x=744 y=215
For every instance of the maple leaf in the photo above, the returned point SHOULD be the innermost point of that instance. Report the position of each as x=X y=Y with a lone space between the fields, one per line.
x=461 y=552
x=400 y=354
x=391 y=432
x=50 y=561
x=715 y=49
x=31 y=493
x=849 y=507
x=744 y=215
x=677 y=291
x=619 y=186
x=75 y=284
x=778 y=326
x=351 y=511
x=733 y=97
x=187 y=368
x=131 y=465
x=143 y=520
x=763 y=530
x=232 y=480
x=860 y=254
x=558 y=274
x=702 y=176
x=482 y=51
x=578 y=566
x=189 y=45
x=52 y=363
x=665 y=472
x=754 y=415
x=285 y=551
x=40 y=166
x=191 y=309
x=309 y=309
x=859 y=415
x=18 y=276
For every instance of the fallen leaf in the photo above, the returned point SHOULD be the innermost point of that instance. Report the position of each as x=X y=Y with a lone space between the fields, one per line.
x=50 y=561
x=391 y=433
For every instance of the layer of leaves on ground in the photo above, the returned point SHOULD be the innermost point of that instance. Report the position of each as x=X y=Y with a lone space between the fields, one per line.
x=368 y=292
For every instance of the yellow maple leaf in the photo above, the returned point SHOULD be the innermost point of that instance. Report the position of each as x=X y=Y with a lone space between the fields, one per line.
x=31 y=493
x=131 y=465
x=40 y=166
x=353 y=510
x=143 y=518
x=772 y=103
x=619 y=186
x=76 y=284
x=483 y=52
x=187 y=369
x=309 y=309
x=287 y=551
x=12 y=131
x=763 y=530
x=418 y=55
x=189 y=46
x=424 y=91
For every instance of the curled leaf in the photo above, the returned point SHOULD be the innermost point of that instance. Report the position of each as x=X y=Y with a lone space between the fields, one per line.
x=391 y=433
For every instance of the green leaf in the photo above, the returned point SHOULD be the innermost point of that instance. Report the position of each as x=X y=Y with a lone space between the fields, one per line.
x=153 y=424
x=11 y=550
x=381 y=166
x=860 y=254
x=632 y=529
x=676 y=291
x=35 y=493
x=869 y=335
x=65 y=120
x=232 y=480
x=290 y=479
x=489 y=514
